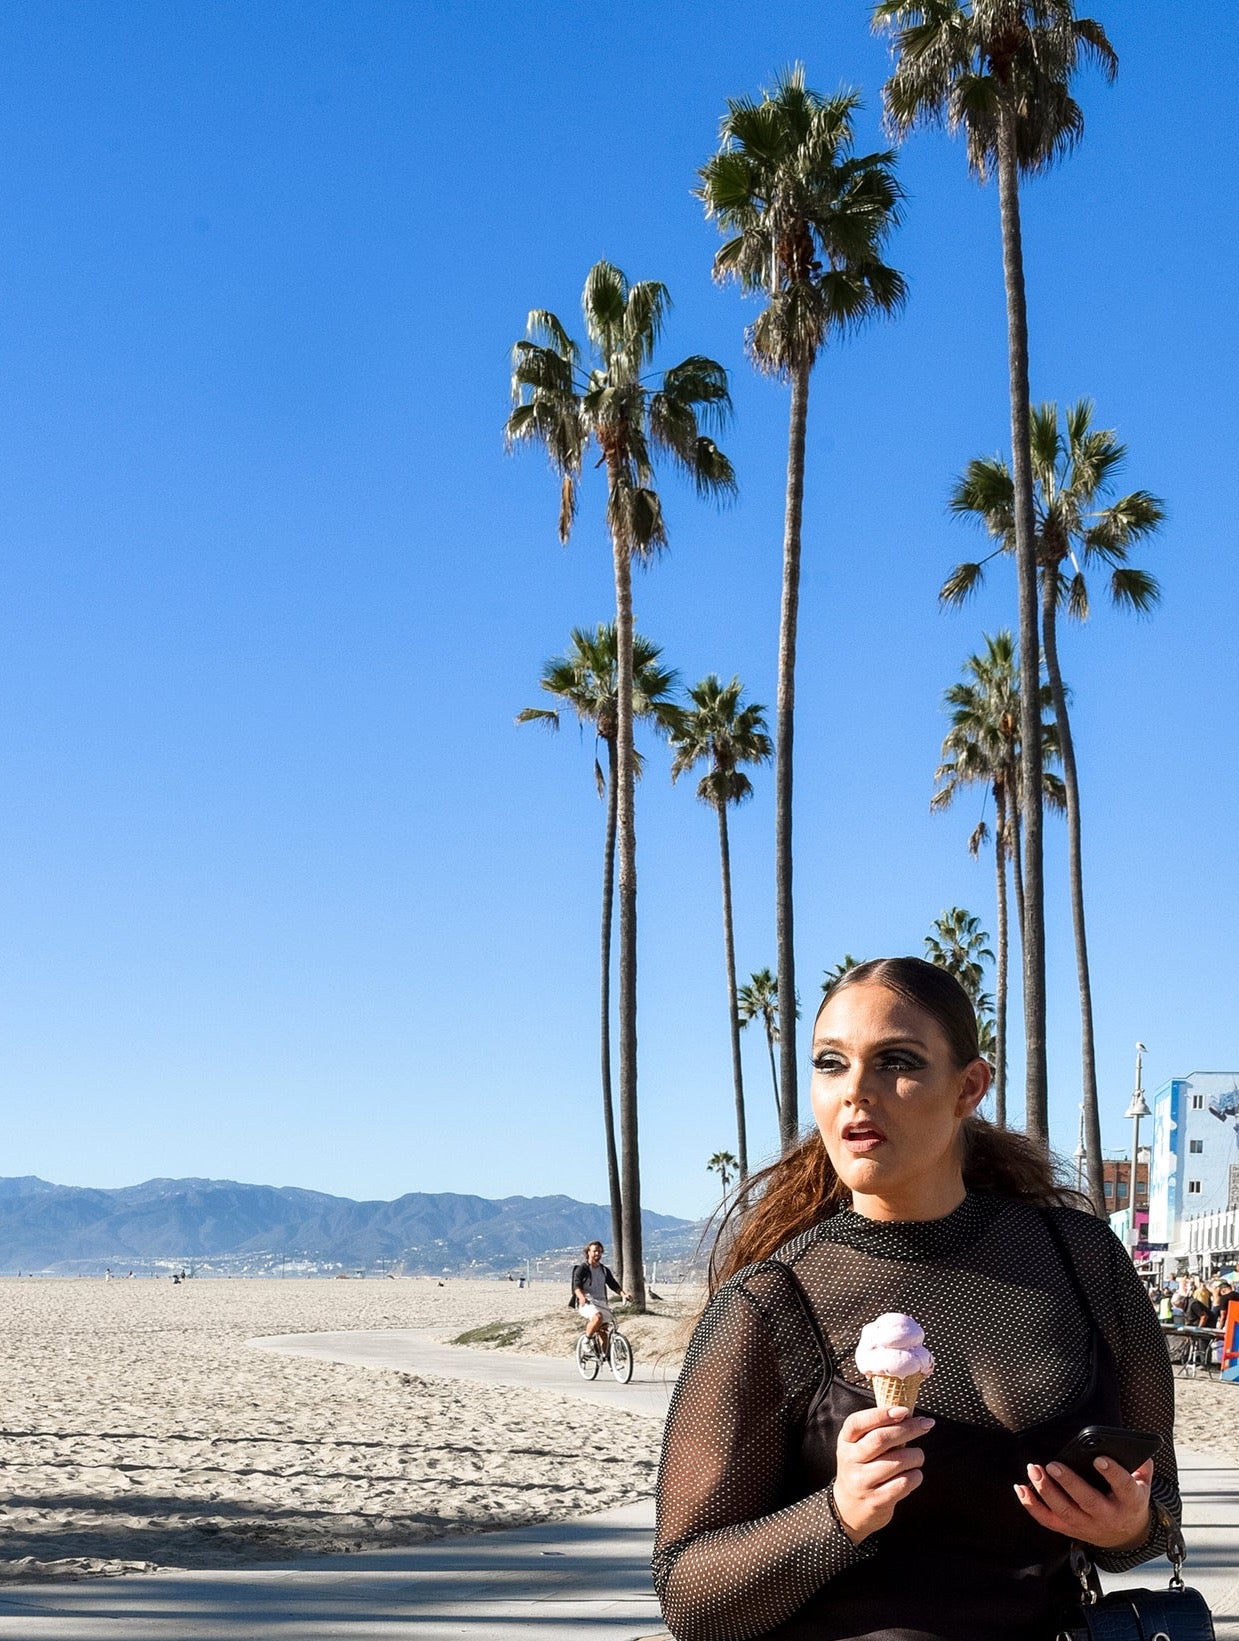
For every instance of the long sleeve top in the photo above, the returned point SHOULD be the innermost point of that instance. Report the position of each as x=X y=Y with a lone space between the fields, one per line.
x=737 y=1552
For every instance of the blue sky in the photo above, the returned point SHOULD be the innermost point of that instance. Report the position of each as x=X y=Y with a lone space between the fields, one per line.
x=285 y=895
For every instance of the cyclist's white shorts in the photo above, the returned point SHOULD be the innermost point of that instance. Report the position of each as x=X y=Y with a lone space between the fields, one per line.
x=589 y=1309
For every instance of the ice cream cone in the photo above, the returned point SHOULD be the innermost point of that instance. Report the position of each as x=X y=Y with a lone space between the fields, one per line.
x=889 y=1392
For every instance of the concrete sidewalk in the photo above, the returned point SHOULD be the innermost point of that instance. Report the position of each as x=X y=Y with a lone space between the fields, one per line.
x=588 y=1578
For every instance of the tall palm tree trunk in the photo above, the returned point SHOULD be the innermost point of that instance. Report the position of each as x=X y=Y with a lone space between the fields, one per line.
x=1036 y=1088
x=1088 y=1069
x=789 y=1119
x=1000 y=975
x=1017 y=856
x=733 y=1007
x=608 y=1108
x=634 y=1273
x=774 y=1071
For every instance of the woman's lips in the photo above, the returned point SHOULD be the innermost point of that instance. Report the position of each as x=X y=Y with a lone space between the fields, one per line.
x=862 y=1138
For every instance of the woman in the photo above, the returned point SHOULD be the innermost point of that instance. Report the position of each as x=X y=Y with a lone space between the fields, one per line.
x=1200 y=1311
x=789 y=1505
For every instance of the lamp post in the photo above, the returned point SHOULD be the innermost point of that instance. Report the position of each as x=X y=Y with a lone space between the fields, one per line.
x=1135 y=1111
x=1080 y=1153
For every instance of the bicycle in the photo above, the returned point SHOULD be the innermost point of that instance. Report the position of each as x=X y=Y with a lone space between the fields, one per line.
x=618 y=1355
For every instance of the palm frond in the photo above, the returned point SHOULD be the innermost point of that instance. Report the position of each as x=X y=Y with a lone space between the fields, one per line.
x=543 y=327
x=567 y=506
x=963 y=581
x=1054 y=792
x=1135 y=589
x=602 y=302
x=538 y=715
x=645 y=312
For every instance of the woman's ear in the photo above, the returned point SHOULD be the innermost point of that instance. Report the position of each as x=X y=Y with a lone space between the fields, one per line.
x=975 y=1086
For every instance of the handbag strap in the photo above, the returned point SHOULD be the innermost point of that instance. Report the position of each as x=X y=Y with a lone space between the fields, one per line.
x=1176 y=1552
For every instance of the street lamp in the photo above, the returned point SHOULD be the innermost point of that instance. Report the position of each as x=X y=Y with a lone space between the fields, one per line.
x=1135 y=1111
x=1080 y=1153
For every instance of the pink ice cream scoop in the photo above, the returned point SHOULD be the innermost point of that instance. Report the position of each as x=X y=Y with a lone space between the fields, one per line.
x=892 y=1353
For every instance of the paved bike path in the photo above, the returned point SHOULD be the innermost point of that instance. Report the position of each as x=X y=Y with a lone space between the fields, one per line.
x=419 y=1350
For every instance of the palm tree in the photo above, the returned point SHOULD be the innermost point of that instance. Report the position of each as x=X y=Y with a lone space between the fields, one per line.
x=1001 y=71
x=957 y=943
x=1073 y=469
x=809 y=220
x=571 y=403
x=982 y=747
x=832 y=977
x=724 y=1165
x=717 y=729
x=585 y=681
x=759 y=1000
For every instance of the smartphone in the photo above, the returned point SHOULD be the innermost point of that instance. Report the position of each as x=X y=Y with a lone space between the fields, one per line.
x=1130 y=1448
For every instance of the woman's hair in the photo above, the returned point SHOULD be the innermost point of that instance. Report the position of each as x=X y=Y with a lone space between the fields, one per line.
x=801 y=1189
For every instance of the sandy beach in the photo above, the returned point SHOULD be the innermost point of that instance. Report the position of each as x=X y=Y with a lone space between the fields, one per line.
x=140 y=1430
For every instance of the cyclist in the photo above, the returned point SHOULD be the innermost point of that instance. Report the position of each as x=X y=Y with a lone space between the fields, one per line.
x=590 y=1282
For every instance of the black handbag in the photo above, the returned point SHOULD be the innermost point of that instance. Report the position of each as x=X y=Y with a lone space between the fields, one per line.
x=1176 y=1613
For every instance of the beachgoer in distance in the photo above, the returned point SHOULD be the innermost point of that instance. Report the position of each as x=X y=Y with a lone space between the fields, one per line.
x=590 y=1282
x=789 y=1503
x=1200 y=1312
x=1226 y=1298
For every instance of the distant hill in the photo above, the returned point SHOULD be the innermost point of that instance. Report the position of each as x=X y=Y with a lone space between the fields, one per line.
x=65 y=1229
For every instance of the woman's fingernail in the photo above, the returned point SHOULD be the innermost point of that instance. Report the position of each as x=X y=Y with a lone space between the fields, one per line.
x=1055 y=1470
x=1102 y=1464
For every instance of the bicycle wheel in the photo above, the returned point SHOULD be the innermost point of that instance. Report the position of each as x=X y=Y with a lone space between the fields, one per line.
x=620 y=1357
x=586 y=1358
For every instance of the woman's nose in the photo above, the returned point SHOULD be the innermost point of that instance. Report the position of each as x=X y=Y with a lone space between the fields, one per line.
x=856 y=1089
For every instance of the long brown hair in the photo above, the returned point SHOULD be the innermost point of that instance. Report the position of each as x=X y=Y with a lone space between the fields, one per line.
x=801 y=1189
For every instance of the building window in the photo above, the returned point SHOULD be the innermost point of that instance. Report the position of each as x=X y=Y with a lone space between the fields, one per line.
x=1196 y=1145
x=1198 y=1102
x=1122 y=1190
x=1109 y=1187
x=1193 y=1187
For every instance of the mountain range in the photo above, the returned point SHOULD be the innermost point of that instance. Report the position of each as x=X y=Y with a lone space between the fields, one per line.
x=222 y=1224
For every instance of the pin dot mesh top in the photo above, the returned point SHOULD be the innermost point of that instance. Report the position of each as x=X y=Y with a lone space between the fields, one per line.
x=733 y=1557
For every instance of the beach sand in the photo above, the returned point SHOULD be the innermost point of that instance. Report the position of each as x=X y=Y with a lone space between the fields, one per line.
x=140 y=1430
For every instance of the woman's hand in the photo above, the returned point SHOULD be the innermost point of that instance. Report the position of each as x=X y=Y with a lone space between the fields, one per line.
x=876 y=1467
x=1065 y=1503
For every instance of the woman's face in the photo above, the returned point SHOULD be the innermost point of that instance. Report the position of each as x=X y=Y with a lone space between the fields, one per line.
x=889 y=1101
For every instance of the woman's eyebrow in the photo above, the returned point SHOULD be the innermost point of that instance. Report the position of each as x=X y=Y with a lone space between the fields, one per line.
x=882 y=1042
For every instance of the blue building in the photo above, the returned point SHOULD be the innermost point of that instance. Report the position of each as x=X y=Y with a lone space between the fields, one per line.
x=1194 y=1171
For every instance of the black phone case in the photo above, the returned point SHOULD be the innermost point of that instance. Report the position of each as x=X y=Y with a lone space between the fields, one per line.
x=1130 y=1448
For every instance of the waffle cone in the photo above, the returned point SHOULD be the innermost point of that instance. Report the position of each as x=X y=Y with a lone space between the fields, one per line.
x=897 y=1392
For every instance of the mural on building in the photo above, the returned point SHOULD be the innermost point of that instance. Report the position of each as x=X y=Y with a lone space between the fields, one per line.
x=1225 y=1106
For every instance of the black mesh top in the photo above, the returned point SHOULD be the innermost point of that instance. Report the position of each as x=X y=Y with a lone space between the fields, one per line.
x=734 y=1556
